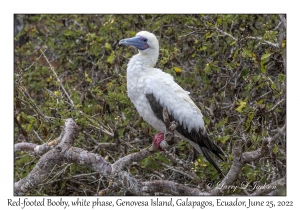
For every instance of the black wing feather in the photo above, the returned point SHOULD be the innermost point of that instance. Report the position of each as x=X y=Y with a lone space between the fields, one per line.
x=206 y=145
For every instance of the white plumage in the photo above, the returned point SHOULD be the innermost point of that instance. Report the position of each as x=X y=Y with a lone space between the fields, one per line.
x=144 y=81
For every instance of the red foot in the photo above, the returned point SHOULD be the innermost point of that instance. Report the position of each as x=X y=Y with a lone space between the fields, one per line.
x=159 y=137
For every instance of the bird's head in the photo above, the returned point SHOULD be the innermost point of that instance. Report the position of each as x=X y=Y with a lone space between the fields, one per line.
x=144 y=41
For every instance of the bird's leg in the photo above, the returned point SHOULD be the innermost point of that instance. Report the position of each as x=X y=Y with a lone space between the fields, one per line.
x=157 y=141
x=167 y=139
x=170 y=137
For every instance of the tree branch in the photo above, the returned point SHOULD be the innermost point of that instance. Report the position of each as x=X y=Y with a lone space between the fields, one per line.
x=171 y=188
x=268 y=188
x=61 y=150
x=234 y=171
x=59 y=81
x=48 y=160
x=265 y=41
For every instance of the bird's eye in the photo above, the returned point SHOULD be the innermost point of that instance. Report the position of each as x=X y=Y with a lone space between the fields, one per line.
x=145 y=39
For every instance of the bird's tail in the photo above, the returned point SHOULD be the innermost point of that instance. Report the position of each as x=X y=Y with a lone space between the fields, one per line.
x=207 y=146
x=208 y=156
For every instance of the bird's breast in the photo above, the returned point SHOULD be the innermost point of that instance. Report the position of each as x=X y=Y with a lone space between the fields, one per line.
x=136 y=93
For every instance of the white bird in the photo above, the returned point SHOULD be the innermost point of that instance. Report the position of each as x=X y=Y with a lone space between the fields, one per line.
x=151 y=90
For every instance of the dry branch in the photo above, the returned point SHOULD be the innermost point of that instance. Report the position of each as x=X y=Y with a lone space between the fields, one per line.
x=59 y=81
x=270 y=187
x=240 y=158
x=48 y=160
x=60 y=150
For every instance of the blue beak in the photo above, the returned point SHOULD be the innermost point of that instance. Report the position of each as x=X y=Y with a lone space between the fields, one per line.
x=139 y=42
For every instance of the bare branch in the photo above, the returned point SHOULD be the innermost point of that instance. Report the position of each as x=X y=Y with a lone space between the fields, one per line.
x=35 y=60
x=48 y=160
x=249 y=37
x=265 y=41
x=127 y=160
x=282 y=17
x=240 y=159
x=33 y=104
x=279 y=102
x=37 y=149
x=268 y=188
x=234 y=171
x=59 y=81
x=171 y=188
x=62 y=151
x=226 y=34
x=266 y=147
x=24 y=146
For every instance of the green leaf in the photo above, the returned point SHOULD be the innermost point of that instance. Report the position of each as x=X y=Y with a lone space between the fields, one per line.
x=249 y=120
x=206 y=120
x=263 y=68
x=107 y=46
x=235 y=54
x=207 y=69
x=232 y=43
x=182 y=145
x=145 y=162
x=177 y=69
x=153 y=165
x=203 y=48
x=275 y=150
x=111 y=58
x=265 y=56
x=242 y=104
x=261 y=101
x=222 y=122
x=120 y=132
x=247 y=169
x=281 y=78
x=162 y=158
x=256 y=78
x=87 y=78
x=223 y=139
x=214 y=54
x=247 y=53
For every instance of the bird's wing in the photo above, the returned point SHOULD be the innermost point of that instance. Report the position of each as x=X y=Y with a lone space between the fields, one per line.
x=162 y=92
x=170 y=95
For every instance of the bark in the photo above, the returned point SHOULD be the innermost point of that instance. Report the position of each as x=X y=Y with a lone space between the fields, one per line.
x=61 y=150
x=48 y=160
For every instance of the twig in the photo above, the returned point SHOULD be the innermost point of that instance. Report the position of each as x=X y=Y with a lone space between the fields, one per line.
x=277 y=26
x=276 y=105
x=262 y=96
x=64 y=152
x=59 y=81
x=48 y=160
x=101 y=128
x=283 y=20
x=265 y=41
x=24 y=146
x=33 y=104
x=35 y=60
x=227 y=34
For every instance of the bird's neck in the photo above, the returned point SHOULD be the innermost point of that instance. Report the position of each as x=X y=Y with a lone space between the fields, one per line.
x=144 y=60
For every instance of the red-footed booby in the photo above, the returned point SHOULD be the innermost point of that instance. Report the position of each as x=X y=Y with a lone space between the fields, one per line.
x=151 y=90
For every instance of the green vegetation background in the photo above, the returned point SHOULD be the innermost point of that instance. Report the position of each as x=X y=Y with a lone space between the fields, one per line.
x=233 y=65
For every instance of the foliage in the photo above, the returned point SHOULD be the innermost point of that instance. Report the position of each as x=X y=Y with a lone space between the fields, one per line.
x=229 y=63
